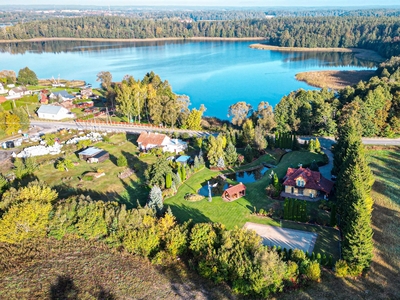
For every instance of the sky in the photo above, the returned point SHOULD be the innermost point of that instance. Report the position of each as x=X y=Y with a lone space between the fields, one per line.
x=239 y=3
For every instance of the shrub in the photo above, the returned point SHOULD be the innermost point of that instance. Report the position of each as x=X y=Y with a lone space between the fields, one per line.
x=313 y=271
x=341 y=268
x=298 y=255
x=168 y=193
x=292 y=270
x=88 y=178
x=122 y=161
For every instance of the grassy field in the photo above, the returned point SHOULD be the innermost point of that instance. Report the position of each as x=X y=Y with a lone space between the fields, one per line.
x=71 y=269
x=110 y=187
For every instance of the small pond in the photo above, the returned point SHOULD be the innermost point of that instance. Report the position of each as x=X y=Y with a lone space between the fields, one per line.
x=248 y=176
x=242 y=176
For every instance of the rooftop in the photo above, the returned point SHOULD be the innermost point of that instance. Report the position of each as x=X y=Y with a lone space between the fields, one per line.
x=313 y=180
x=90 y=151
x=49 y=109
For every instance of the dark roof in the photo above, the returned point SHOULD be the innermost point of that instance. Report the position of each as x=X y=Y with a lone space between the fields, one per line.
x=235 y=189
x=313 y=180
x=100 y=154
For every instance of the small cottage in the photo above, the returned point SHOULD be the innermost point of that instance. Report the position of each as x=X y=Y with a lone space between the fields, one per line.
x=234 y=192
x=94 y=155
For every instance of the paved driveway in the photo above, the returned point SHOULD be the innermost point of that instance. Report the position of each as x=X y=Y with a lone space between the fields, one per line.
x=284 y=237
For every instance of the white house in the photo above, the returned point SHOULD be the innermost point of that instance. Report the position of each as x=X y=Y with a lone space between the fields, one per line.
x=149 y=140
x=53 y=112
x=61 y=95
x=18 y=92
x=2 y=89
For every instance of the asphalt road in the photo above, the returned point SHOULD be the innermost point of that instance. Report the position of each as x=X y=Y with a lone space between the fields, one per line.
x=46 y=127
x=51 y=126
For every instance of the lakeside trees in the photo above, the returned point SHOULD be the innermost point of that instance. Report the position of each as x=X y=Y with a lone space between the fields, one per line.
x=379 y=34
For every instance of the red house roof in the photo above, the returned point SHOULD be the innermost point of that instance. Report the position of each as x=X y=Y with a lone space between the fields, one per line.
x=235 y=189
x=313 y=180
x=149 y=138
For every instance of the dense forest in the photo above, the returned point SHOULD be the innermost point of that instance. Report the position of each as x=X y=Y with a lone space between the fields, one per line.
x=379 y=34
x=376 y=101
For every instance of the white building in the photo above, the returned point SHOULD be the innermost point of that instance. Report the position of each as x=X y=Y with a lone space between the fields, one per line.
x=53 y=112
x=2 y=89
x=149 y=140
x=18 y=92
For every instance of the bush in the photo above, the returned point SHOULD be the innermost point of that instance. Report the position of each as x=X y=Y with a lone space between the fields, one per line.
x=88 y=178
x=122 y=161
x=292 y=270
x=313 y=271
x=168 y=193
x=298 y=255
x=341 y=268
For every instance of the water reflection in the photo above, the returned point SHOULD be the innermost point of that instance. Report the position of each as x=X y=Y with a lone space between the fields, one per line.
x=248 y=176
x=306 y=59
x=328 y=59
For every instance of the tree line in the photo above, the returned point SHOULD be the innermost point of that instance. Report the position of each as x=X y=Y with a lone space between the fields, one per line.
x=376 y=33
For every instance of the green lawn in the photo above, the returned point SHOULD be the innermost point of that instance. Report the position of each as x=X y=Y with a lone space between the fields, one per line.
x=109 y=187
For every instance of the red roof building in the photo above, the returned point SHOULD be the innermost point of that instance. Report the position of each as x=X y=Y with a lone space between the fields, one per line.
x=307 y=183
x=234 y=192
x=149 y=140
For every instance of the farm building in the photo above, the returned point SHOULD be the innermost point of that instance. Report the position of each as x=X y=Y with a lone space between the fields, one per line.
x=94 y=155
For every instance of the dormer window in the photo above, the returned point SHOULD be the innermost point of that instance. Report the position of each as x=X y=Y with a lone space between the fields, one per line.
x=300 y=182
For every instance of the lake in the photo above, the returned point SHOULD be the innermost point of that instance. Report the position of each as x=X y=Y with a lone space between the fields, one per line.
x=216 y=74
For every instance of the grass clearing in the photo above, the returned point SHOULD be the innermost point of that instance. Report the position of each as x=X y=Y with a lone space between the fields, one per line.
x=110 y=187
x=238 y=212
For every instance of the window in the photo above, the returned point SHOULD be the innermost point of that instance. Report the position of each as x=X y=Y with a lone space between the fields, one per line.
x=300 y=182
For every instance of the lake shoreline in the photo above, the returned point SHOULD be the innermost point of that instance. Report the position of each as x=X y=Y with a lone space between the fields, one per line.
x=44 y=39
x=334 y=79
x=363 y=54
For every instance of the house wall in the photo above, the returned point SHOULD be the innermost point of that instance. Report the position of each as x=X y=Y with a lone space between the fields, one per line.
x=306 y=192
x=59 y=116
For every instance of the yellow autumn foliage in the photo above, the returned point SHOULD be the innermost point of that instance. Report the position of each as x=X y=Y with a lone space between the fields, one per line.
x=25 y=221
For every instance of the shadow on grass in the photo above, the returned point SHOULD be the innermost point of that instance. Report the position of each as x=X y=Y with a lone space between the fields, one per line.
x=64 y=288
x=134 y=193
x=184 y=213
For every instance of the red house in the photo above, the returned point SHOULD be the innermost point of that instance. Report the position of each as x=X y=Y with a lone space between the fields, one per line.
x=306 y=183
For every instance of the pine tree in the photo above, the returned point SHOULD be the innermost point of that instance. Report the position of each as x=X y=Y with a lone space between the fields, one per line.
x=196 y=163
x=168 y=180
x=221 y=162
x=317 y=146
x=311 y=145
x=176 y=178
x=156 y=199
x=353 y=196
x=231 y=154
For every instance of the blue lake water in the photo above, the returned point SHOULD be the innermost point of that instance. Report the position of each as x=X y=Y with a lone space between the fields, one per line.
x=216 y=74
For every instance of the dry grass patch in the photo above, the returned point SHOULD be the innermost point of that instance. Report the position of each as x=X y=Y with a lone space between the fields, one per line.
x=334 y=79
x=77 y=269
